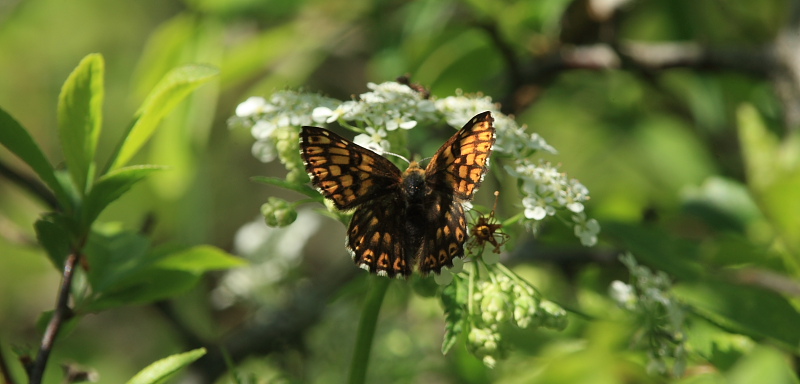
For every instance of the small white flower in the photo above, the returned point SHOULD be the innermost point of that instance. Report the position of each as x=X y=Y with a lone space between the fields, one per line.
x=398 y=122
x=253 y=105
x=265 y=151
x=535 y=209
x=586 y=230
x=623 y=294
x=374 y=140
x=321 y=114
x=575 y=207
x=262 y=129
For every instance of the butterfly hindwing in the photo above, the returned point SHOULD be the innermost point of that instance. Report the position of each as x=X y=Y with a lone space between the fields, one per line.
x=445 y=236
x=375 y=241
x=460 y=164
x=343 y=171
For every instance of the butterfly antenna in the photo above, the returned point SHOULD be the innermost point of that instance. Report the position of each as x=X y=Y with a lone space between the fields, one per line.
x=394 y=154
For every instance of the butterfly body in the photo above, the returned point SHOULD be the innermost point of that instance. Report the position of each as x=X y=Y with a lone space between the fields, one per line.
x=401 y=218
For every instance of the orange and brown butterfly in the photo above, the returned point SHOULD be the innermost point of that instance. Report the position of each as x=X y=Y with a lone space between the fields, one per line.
x=487 y=229
x=401 y=218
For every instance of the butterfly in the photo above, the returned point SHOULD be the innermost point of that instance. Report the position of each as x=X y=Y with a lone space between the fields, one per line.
x=401 y=218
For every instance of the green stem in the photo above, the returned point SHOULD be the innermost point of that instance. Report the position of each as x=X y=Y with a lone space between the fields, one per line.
x=514 y=219
x=366 y=328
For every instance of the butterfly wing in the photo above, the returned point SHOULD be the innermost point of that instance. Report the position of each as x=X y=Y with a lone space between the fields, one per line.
x=452 y=177
x=376 y=239
x=460 y=164
x=344 y=172
x=445 y=237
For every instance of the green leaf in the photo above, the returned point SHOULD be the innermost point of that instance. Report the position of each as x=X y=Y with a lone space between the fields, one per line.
x=124 y=270
x=150 y=285
x=115 y=256
x=80 y=107
x=14 y=137
x=199 y=259
x=657 y=248
x=162 y=369
x=773 y=175
x=301 y=188
x=172 y=89
x=745 y=309
x=52 y=232
x=454 y=300
x=112 y=186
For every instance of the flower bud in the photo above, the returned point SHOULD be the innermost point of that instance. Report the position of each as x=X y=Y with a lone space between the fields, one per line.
x=278 y=212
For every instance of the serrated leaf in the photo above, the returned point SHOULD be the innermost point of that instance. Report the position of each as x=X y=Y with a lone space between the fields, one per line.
x=14 y=137
x=162 y=369
x=112 y=186
x=171 y=90
x=454 y=300
x=80 y=107
x=301 y=188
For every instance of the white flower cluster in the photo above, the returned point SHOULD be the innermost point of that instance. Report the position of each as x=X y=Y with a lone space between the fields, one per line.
x=387 y=107
x=661 y=317
x=283 y=109
x=392 y=106
x=547 y=191
x=511 y=140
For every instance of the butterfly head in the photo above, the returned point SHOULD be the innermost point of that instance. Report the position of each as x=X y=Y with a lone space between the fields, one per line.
x=414 y=183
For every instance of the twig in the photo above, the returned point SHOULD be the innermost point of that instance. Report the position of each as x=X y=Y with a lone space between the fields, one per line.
x=34 y=186
x=645 y=58
x=61 y=313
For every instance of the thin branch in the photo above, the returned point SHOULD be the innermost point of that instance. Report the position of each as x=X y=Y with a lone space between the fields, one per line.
x=646 y=58
x=61 y=314
x=32 y=185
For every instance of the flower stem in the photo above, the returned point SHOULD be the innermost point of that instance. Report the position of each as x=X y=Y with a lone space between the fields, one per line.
x=366 y=328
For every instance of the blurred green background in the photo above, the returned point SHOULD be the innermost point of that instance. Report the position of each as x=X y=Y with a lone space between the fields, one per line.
x=658 y=145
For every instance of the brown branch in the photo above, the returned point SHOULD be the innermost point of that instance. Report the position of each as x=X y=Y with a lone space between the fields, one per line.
x=61 y=314
x=645 y=58
x=32 y=185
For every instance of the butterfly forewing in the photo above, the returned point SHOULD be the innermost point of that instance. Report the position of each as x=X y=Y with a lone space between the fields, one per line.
x=344 y=172
x=460 y=164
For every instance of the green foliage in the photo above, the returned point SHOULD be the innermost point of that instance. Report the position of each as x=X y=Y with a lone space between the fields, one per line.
x=122 y=267
x=166 y=95
x=80 y=119
x=161 y=370
x=17 y=140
